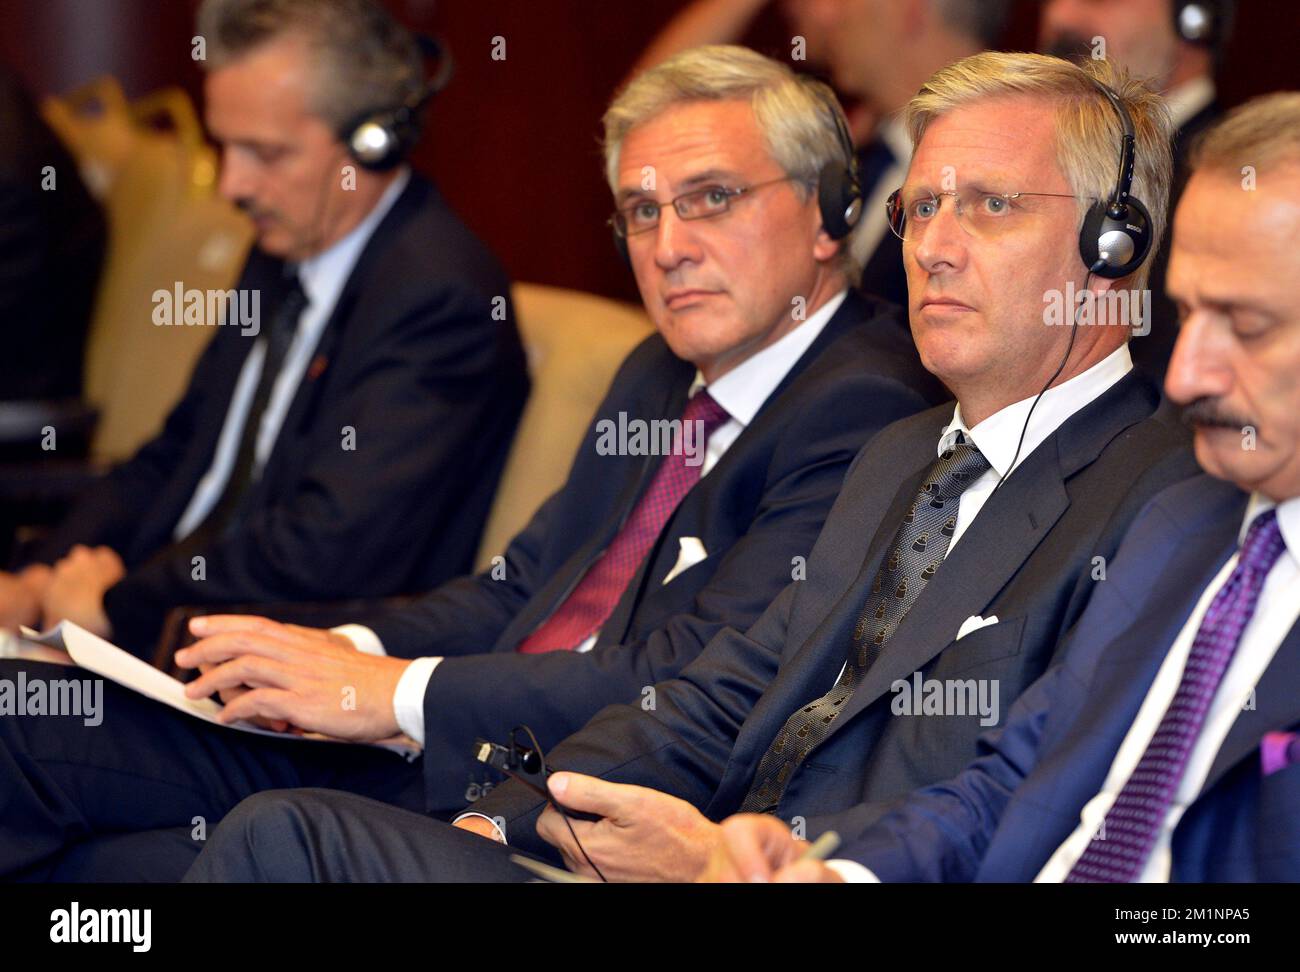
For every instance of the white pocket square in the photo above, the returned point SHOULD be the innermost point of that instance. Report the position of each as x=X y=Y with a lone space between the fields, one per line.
x=690 y=552
x=974 y=623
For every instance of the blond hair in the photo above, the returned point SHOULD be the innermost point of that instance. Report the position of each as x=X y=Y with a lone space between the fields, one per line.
x=798 y=117
x=1088 y=129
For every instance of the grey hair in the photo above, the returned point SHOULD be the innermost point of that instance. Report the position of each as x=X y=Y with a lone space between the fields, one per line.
x=364 y=59
x=799 y=117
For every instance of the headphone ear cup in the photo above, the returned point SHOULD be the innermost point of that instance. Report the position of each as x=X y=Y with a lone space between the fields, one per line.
x=373 y=141
x=839 y=197
x=620 y=244
x=1114 y=248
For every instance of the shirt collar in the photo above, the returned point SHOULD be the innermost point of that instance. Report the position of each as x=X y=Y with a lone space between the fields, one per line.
x=743 y=390
x=893 y=133
x=1288 y=520
x=324 y=274
x=998 y=435
x=1186 y=100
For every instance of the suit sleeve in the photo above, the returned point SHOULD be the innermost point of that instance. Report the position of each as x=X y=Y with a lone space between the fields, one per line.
x=940 y=833
x=682 y=745
x=340 y=525
x=108 y=513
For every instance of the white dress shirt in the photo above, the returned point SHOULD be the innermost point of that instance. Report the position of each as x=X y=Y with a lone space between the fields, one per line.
x=1189 y=98
x=1275 y=614
x=741 y=391
x=996 y=437
x=322 y=277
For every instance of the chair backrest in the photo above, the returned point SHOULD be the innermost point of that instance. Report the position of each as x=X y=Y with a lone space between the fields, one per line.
x=575 y=343
x=155 y=175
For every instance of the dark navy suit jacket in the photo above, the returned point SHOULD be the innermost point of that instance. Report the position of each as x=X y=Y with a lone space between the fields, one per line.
x=414 y=360
x=1004 y=816
x=1027 y=558
x=756 y=511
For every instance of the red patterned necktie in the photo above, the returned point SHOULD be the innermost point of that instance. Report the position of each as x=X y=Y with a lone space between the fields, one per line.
x=592 y=602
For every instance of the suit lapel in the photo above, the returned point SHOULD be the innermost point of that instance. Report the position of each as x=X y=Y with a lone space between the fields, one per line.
x=852 y=311
x=663 y=400
x=1277 y=706
x=1010 y=526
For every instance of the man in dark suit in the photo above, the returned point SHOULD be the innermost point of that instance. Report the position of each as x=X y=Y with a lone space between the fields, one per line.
x=962 y=547
x=363 y=386
x=1177 y=44
x=1166 y=745
x=780 y=373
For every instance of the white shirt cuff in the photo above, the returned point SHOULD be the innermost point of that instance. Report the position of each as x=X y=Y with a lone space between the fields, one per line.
x=498 y=834
x=366 y=641
x=408 y=697
x=852 y=872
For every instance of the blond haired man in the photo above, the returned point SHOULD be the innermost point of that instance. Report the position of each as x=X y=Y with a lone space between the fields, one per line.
x=1165 y=746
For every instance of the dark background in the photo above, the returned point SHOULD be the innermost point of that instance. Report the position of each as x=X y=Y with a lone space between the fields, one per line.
x=514 y=143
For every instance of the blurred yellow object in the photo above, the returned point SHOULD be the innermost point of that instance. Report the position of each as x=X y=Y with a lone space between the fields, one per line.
x=575 y=343
x=155 y=175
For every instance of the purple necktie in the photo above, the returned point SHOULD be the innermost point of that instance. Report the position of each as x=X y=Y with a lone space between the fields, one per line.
x=593 y=600
x=1119 y=850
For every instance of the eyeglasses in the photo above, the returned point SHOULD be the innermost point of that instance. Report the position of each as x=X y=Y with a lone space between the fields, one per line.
x=979 y=212
x=703 y=203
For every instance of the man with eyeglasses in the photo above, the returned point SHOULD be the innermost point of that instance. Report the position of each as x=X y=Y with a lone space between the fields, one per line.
x=965 y=542
x=695 y=497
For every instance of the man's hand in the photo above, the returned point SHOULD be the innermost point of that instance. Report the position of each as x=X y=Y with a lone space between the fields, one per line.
x=20 y=596
x=76 y=589
x=315 y=680
x=757 y=848
x=644 y=835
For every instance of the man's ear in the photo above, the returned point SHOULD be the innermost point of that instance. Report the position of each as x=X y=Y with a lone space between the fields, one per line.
x=826 y=249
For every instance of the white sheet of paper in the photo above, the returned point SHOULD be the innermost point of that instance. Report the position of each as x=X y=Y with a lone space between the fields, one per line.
x=103 y=658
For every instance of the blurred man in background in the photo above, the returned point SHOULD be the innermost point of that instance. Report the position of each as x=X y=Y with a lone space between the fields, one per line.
x=349 y=442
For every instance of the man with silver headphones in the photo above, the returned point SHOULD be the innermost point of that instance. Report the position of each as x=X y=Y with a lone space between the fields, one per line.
x=963 y=545
x=349 y=444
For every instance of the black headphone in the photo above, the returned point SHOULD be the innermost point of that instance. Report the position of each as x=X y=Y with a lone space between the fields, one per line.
x=378 y=139
x=1202 y=22
x=839 y=191
x=1116 y=234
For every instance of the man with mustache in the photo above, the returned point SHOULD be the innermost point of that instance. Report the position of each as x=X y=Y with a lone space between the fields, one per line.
x=346 y=441
x=1166 y=746
x=963 y=566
